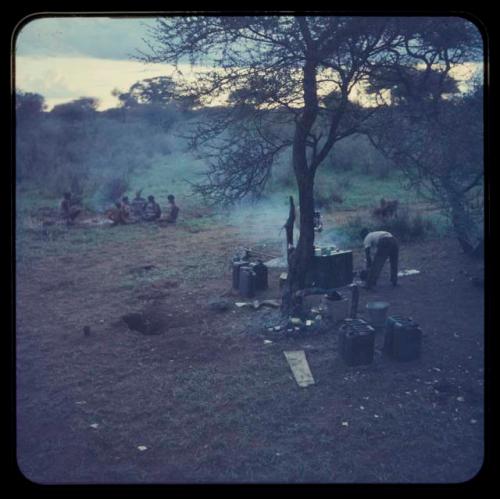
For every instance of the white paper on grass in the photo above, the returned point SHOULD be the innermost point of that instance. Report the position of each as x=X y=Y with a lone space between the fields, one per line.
x=299 y=366
x=402 y=273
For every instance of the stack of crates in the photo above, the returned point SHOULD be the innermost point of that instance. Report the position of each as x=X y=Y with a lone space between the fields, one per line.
x=403 y=338
x=356 y=342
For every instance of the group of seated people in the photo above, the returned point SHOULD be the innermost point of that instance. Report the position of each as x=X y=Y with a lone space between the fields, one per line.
x=124 y=211
x=141 y=209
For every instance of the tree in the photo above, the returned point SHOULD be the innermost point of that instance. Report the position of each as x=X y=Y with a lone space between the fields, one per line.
x=290 y=83
x=159 y=91
x=154 y=100
x=76 y=111
x=411 y=85
x=29 y=105
x=29 y=111
x=438 y=145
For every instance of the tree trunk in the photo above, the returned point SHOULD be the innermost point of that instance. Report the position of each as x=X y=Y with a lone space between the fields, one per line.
x=304 y=253
x=465 y=228
x=289 y=225
x=301 y=258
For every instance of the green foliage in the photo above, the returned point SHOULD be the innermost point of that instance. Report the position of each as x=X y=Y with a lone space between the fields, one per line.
x=94 y=155
x=76 y=111
x=407 y=226
x=357 y=153
x=329 y=195
x=160 y=92
x=438 y=144
x=354 y=175
x=359 y=190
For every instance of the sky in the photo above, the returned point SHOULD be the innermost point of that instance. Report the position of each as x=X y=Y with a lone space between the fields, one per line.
x=65 y=58
x=71 y=57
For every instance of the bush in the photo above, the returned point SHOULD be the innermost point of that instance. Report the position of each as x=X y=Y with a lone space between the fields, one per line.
x=408 y=227
x=328 y=195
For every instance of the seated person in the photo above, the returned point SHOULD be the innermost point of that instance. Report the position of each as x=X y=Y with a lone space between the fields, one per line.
x=69 y=211
x=137 y=206
x=117 y=214
x=173 y=210
x=151 y=210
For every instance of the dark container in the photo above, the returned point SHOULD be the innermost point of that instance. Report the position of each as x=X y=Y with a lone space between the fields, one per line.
x=331 y=271
x=403 y=338
x=356 y=342
x=247 y=282
x=236 y=272
x=260 y=270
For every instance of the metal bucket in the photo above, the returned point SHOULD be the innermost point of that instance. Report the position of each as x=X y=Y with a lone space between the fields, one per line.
x=377 y=312
x=337 y=310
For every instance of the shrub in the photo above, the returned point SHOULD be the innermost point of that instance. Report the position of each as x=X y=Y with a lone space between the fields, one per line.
x=408 y=227
x=328 y=194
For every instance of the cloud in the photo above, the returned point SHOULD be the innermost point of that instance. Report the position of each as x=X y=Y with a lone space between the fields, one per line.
x=100 y=37
x=61 y=79
x=70 y=57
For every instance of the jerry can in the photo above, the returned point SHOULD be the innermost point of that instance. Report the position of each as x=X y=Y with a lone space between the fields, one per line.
x=260 y=270
x=236 y=272
x=403 y=338
x=356 y=342
x=247 y=282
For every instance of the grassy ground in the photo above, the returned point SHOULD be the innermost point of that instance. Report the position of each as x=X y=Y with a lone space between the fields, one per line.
x=208 y=398
x=360 y=190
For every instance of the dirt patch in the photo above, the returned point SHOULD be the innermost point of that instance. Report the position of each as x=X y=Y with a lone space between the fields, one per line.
x=208 y=397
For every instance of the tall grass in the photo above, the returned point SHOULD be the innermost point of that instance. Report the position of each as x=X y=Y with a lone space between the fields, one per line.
x=408 y=226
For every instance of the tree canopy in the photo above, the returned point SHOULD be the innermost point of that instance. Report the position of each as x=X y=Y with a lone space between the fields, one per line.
x=77 y=110
x=291 y=82
x=280 y=69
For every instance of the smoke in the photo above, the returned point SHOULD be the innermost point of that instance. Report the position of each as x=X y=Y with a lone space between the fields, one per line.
x=336 y=237
x=262 y=221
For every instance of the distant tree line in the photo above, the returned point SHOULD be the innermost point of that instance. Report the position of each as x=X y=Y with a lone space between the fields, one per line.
x=75 y=147
x=420 y=124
